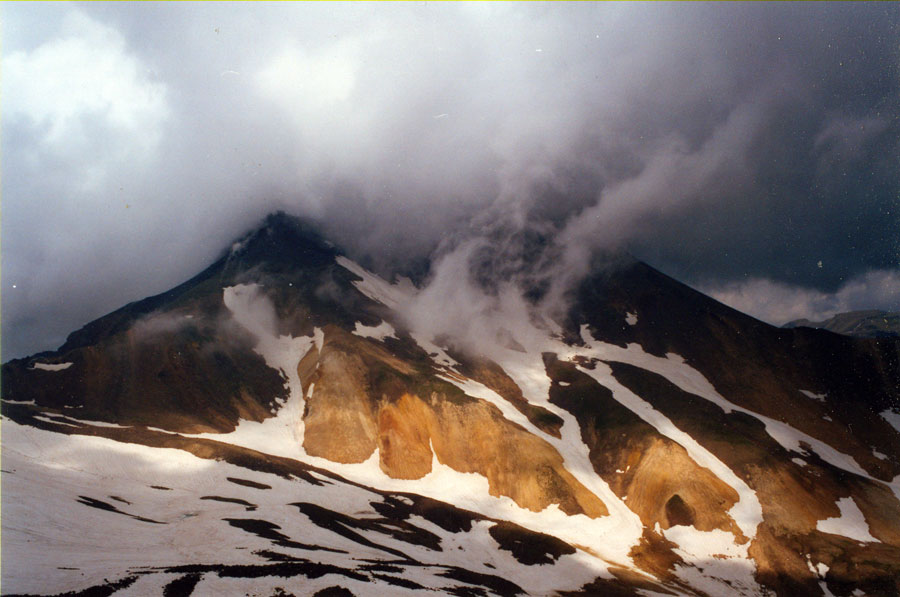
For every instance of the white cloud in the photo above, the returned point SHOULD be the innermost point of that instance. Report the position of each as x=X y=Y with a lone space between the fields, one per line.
x=86 y=95
x=308 y=84
x=779 y=303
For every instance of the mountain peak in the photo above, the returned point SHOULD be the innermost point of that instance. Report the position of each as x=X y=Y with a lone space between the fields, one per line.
x=280 y=244
x=282 y=239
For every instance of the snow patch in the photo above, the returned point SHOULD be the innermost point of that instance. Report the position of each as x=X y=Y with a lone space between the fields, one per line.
x=318 y=339
x=97 y=423
x=379 y=332
x=809 y=565
x=378 y=289
x=798 y=461
x=54 y=421
x=158 y=430
x=437 y=354
x=820 y=397
x=893 y=418
x=851 y=522
x=820 y=570
x=281 y=435
x=794 y=441
x=701 y=544
x=46 y=521
x=631 y=318
x=50 y=366
x=722 y=560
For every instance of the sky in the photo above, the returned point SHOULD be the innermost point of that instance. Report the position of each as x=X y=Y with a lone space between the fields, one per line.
x=749 y=150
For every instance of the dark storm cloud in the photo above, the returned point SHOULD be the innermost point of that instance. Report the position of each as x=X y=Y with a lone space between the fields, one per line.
x=742 y=148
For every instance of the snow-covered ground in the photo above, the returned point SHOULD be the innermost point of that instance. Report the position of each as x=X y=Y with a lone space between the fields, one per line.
x=91 y=510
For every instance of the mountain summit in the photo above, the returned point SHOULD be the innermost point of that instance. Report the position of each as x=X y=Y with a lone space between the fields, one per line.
x=287 y=422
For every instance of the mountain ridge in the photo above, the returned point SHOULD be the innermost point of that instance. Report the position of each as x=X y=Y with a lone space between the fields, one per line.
x=870 y=323
x=651 y=439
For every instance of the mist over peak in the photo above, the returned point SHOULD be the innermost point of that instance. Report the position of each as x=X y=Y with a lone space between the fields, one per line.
x=721 y=145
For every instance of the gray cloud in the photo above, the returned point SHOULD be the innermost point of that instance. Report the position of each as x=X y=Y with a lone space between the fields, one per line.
x=716 y=142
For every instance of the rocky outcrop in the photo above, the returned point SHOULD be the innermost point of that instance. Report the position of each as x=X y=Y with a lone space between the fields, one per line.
x=660 y=481
x=795 y=494
x=364 y=397
x=339 y=418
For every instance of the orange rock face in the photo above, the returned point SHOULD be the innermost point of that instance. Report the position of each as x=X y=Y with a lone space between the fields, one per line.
x=339 y=418
x=667 y=487
x=404 y=438
x=365 y=398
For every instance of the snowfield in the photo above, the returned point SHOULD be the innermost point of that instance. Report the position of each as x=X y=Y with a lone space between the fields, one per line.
x=87 y=508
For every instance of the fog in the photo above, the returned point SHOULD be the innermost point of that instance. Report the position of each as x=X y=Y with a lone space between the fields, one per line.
x=750 y=150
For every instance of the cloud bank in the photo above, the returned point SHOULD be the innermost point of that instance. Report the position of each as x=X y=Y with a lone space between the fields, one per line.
x=779 y=303
x=719 y=143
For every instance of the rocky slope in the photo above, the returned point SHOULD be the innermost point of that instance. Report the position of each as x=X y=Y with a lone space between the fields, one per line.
x=279 y=425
